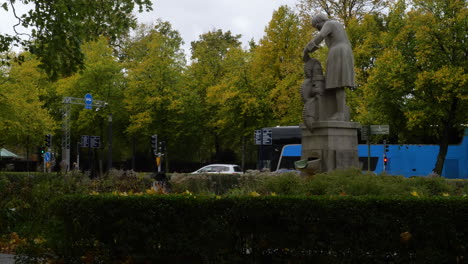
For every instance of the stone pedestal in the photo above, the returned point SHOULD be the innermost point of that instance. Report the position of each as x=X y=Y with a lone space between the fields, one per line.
x=330 y=145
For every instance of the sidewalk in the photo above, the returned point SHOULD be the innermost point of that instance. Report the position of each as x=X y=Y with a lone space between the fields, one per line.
x=7 y=259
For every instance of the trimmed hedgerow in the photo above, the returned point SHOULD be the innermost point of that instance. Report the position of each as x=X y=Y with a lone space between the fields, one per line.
x=186 y=228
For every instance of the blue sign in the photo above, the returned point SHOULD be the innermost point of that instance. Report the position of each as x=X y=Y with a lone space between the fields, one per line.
x=47 y=156
x=88 y=101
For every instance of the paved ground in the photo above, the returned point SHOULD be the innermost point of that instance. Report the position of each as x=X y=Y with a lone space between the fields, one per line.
x=7 y=259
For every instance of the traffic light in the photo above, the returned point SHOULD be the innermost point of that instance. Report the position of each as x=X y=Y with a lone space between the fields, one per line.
x=154 y=142
x=40 y=151
x=386 y=147
x=48 y=140
x=162 y=146
x=385 y=160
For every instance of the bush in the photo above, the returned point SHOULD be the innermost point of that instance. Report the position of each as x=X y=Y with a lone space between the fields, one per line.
x=151 y=229
x=203 y=183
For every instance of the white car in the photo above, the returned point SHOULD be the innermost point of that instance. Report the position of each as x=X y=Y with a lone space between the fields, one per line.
x=220 y=168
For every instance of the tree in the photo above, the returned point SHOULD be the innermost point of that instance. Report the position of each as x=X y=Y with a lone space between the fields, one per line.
x=155 y=62
x=419 y=81
x=24 y=119
x=103 y=78
x=59 y=28
x=239 y=104
x=277 y=68
x=206 y=72
x=440 y=94
x=343 y=10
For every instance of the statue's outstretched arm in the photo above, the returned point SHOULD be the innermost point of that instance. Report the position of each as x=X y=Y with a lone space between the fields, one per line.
x=313 y=45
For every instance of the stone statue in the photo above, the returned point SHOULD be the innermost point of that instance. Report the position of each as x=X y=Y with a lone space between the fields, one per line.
x=312 y=91
x=340 y=65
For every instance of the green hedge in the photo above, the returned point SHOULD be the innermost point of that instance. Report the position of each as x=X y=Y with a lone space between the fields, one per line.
x=267 y=229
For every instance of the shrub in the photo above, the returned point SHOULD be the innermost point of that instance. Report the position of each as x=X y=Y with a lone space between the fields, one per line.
x=284 y=184
x=203 y=183
x=262 y=229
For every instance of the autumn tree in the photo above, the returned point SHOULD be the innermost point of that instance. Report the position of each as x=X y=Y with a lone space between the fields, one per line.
x=277 y=68
x=24 y=119
x=154 y=62
x=343 y=10
x=103 y=78
x=205 y=73
x=59 y=28
x=419 y=81
x=238 y=102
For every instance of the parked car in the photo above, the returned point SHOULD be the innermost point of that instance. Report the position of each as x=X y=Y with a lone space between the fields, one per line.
x=219 y=168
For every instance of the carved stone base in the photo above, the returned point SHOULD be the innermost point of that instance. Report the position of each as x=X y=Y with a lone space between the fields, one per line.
x=332 y=144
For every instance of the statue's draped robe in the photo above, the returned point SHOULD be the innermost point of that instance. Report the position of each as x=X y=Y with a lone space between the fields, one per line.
x=340 y=61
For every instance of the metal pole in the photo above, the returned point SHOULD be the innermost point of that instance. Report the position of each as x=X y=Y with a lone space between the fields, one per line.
x=133 y=152
x=78 y=144
x=384 y=156
x=109 y=150
x=261 y=149
x=66 y=134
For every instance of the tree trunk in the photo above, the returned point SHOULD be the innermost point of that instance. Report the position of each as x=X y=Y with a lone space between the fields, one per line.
x=443 y=147
x=444 y=139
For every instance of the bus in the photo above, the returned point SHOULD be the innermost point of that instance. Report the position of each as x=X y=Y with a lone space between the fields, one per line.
x=407 y=159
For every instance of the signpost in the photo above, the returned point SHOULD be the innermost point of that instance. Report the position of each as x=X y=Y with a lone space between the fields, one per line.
x=47 y=158
x=258 y=137
x=367 y=131
x=85 y=141
x=95 y=141
x=263 y=137
x=380 y=129
x=88 y=101
x=267 y=138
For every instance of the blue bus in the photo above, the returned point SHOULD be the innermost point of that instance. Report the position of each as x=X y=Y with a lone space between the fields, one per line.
x=406 y=160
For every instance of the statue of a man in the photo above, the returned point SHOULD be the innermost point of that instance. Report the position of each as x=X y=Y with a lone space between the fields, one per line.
x=340 y=61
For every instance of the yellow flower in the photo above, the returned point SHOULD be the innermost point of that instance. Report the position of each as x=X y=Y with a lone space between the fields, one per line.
x=254 y=194
x=415 y=194
x=151 y=191
x=39 y=240
x=445 y=194
x=273 y=194
x=187 y=192
x=94 y=193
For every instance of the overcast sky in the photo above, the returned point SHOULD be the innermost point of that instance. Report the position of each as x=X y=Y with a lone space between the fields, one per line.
x=193 y=18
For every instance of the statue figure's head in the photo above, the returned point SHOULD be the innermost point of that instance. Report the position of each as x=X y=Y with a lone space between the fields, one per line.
x=318 y=21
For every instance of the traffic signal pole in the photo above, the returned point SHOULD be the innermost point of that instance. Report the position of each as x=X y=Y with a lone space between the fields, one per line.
x=66 y=113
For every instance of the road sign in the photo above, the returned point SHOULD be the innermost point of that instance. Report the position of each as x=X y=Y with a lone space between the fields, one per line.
x=380 y=129
x=85 y=141
x=365 y=132
x=47 y=156
x=88 y=101
x=95 y=141
x=258 y=137
x=267 y=138
x=263 y=137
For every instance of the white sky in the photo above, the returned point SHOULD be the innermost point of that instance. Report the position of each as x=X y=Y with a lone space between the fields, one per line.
x=195 y=17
